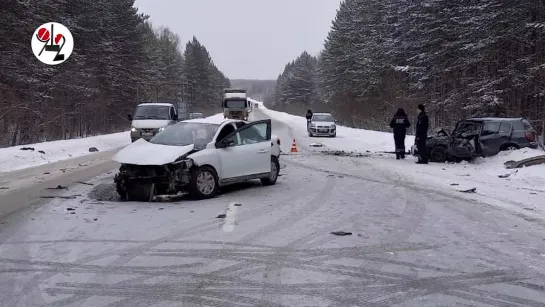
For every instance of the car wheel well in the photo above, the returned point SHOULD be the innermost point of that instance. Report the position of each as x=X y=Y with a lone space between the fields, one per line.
x=507 y=145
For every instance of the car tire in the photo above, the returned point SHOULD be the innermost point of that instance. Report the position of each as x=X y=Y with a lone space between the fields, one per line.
x=438 y=154
x=275 y=170
x=204 y=183
x=334 y=135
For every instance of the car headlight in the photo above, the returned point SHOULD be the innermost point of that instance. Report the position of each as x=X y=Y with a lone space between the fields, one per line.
x=161 y=129
x=133 y=129
x=333 y=126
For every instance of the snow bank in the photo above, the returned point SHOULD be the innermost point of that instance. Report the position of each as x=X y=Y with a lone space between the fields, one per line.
x=348 y=139
x=13 y=158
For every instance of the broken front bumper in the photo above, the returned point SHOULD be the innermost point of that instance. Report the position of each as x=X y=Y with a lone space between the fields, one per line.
x=144 y=182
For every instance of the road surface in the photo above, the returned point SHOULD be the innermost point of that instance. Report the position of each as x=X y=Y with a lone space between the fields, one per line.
x=408 y=246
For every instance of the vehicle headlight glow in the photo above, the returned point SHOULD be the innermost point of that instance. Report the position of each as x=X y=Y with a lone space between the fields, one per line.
x=133 y=129
x=161 y=129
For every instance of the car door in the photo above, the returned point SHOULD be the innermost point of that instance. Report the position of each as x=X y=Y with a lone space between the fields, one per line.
x=249 y=152
x=463 y=139
x=491 y=138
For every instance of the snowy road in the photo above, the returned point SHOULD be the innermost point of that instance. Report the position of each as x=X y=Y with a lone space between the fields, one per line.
x=409 y=246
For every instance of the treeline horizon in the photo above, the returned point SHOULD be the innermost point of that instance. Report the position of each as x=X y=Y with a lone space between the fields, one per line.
x=460 y=59
x=119 y=59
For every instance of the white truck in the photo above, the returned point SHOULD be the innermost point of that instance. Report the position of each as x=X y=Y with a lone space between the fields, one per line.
x=236 y=104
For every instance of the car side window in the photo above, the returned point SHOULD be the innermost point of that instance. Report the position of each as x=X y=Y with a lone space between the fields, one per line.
x=505 y=127
x=253 y=134
x=226 y=130
x=491 y=128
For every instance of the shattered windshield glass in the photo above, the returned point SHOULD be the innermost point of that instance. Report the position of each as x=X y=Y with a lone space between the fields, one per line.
x=152 y=112
x=183 y=134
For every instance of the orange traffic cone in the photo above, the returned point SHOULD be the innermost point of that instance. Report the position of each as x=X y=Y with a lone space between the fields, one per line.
x=294 y=147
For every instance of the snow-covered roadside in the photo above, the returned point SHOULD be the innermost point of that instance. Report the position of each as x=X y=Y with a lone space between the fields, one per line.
x=348 y=139
x=13 y=158
x=522 y=188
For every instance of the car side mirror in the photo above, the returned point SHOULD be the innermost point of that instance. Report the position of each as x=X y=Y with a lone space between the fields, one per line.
x=224 y=143
x=129 y=117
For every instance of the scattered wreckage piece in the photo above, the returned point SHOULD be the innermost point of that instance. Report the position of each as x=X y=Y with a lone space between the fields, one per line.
x=316 y=145
x=341 y=233
x=525 y=162
x=472 y=190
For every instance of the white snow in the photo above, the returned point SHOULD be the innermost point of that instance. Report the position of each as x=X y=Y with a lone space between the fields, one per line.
x=521 y=189
x=13 y=158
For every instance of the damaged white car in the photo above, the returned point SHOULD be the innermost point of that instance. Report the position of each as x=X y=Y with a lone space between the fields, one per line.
x=197 y=157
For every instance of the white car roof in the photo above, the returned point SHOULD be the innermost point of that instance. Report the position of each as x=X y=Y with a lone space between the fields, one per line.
x=164 y=104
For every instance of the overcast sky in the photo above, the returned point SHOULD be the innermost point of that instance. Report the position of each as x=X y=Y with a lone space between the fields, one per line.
x=269 y=33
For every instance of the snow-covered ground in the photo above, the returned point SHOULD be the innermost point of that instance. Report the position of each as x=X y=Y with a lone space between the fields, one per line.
x=14 y=158
x=520 y=189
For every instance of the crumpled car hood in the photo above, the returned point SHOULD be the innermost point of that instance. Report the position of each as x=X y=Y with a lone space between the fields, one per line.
x=143 y=152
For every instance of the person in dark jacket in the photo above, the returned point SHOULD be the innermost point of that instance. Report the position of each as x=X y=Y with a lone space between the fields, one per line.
x=309 y=117
x=400 y=123
x=422 y=135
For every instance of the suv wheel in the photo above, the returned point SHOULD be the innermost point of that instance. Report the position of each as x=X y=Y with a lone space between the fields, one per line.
x=438 y=154
x=275 y=170
x=204 y=183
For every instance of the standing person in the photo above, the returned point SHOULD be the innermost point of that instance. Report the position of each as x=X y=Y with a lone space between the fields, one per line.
x=422 y=135
x=400 y=123
x=309 y=117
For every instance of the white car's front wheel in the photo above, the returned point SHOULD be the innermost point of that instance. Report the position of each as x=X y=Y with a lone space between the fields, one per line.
x=275 y=170
x=204 y=183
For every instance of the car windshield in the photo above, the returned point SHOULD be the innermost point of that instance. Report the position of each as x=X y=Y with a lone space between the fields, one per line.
x=152 y=112
x=322 y=118
x=183 y=134
x=471 y=128
x=235 y=104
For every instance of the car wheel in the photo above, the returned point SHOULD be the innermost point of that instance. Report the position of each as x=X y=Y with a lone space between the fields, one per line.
x=310 y=134
x=334 y=135
x=204 y=183
x=275 y=170
x=438 y=154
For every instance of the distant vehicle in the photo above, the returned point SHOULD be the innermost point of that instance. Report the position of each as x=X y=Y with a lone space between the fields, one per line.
x=151 y=118
x=195 y=115
x=483 y=137
x=322 y=124
x=236 y=104
x=197 y=157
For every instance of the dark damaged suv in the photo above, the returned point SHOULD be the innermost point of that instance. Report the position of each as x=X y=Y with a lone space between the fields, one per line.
x=483 y=137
